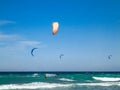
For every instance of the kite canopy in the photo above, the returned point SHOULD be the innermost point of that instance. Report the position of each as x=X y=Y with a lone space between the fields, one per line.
x=61 y=55
x=109 y=57
x=32 y=51
x=55 y=26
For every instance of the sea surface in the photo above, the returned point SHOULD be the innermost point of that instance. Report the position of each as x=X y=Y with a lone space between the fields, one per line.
x=60 y=81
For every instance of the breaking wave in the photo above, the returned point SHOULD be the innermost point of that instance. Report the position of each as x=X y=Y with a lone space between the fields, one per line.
x=42 y=85
x=106 y=79
x=65 y=79
x=35 y=75
x=35 y=85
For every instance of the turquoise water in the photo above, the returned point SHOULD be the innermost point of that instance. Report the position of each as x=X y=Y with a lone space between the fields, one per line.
x=63 y=81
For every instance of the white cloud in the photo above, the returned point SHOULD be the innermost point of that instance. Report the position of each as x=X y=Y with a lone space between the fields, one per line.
x=30 y=43
x=7 y=36
x=8 y=39
x=4 y=22
x=14 y=40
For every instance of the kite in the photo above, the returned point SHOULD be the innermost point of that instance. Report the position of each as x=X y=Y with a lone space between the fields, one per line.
x=55 y=26
x=109 y=57
x=33 y=51
x=61 y=56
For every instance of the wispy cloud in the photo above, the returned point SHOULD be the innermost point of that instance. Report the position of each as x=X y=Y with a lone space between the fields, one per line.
x=7 y=36
x=4 y=22
x=8 y=39
x=29 y=43
x=14 y=40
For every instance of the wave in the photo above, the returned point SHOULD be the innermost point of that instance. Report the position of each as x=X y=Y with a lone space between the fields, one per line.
x=65 y=79
x=100 y=84
x=32 y=75
x=35 y=75
x=35 y=85
x=106 y=79
x=18 y=75
x=42 y=85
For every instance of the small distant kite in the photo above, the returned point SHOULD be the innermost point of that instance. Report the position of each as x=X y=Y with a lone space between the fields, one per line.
x=55 y=26
x=32 y=51
x=61 y=55
x=110 y=56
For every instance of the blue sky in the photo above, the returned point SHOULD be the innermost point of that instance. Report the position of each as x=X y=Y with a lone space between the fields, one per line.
x=89 y=31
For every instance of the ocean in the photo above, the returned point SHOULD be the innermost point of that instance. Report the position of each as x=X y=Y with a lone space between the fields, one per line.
x=60 y=81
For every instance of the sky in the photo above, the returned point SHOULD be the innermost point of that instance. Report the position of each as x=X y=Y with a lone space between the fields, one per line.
x=89 y=31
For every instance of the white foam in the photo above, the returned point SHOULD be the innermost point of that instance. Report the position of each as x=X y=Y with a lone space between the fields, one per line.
x=107 y=78
x=35 y=75
x=42 y=85
x=65 y=79
x=100 y=84
x=35 y=85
